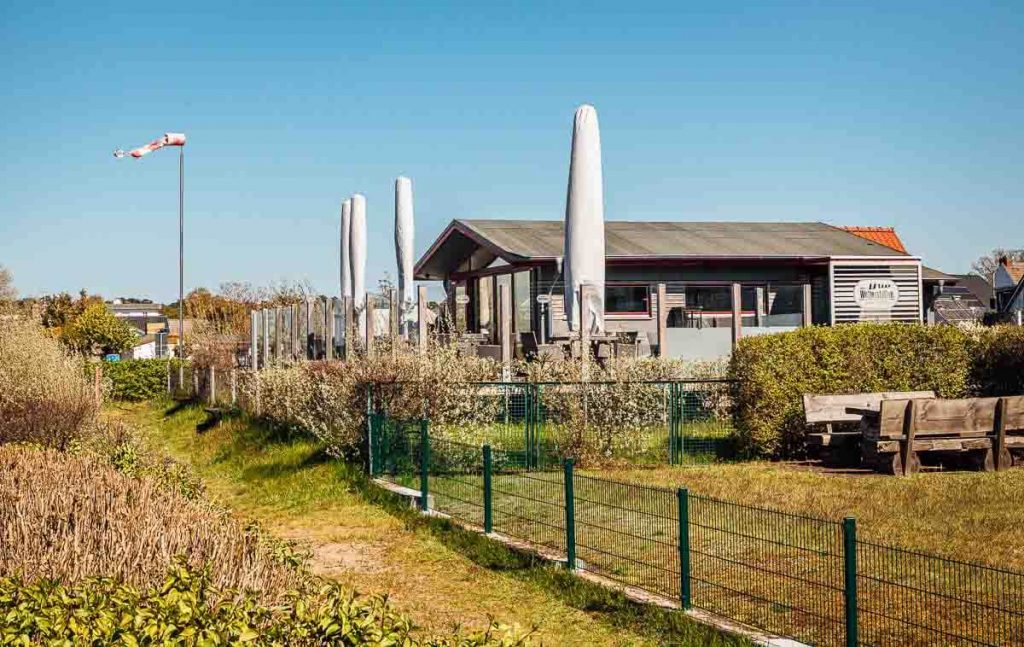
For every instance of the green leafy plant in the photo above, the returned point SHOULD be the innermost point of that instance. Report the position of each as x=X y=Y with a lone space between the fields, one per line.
x=188 y=609
x=97 y=330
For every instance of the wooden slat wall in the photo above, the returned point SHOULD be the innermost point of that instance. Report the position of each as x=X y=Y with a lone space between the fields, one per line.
x=904 y=275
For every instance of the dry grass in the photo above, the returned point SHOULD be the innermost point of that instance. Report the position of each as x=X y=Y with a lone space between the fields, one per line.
x=44 y=397
x=964 y=515
x=68 y=517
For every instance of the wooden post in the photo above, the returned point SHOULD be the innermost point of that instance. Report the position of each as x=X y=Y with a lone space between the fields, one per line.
x=97 y=385
x=369 y=325
x=421 y=319
x=505 y=332
x=808 y=307
x=909 y=433
x=195 y=382
x=213 y=384
x=278 y=329
x=999 y=446
x=234 y=387
x=265 y=323
x=254 y=344
x=307 y=314
x=737 y=313
x=393 y=313
x=169 y=390
x=329 y=328
x=348 y=303
x=293 y=331
x=662 y=321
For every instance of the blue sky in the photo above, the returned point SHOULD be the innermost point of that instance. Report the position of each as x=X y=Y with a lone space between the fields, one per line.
x=904 y=114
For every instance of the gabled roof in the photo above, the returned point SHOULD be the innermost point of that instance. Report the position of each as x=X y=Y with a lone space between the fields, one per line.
x=517 y=241
x=882 y=235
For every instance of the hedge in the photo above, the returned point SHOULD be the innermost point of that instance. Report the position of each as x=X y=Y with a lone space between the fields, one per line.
x=997 y=366
x=774 y=371
x=136 y=379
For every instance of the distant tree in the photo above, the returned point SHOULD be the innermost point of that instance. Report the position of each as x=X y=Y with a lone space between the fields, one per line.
x=97 y=330
x=59 y=310
x=986 y=265
x=7 y=291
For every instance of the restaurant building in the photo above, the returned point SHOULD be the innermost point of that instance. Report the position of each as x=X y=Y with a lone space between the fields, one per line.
x=720 y=280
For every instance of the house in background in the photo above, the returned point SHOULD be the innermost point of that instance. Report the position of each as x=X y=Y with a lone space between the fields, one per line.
x=721 y=280
x=1008 y=285
x=945 y=298
x=149 y=321
x=146 y=318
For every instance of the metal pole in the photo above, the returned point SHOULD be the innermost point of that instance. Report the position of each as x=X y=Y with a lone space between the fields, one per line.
x=181 y=252
x=683 y=498
x=488 y=493
x=424 y=466
x=570 y=516
x=850 y=579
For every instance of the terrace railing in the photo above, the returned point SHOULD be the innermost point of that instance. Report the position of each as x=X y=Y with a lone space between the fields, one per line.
x=801 y=577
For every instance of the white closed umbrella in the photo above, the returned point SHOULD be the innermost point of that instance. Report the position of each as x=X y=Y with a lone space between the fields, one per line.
x=584 y=225
x=357 y=253
x=346 y=256
x=403 y=250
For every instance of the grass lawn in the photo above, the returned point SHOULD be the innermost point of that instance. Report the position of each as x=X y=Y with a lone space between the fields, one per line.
x=971 y=516
x=436 y=573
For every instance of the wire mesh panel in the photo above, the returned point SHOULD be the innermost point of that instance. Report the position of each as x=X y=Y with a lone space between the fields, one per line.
x=779 y=572
x=395 y=448
x=493 y=413
x=629 y=533
x=528 y=505
x=456 y=480
x=702 y=421
x=910 y=598
x=603 y=422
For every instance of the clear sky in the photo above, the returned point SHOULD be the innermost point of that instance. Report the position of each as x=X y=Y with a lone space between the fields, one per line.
x=887 y=113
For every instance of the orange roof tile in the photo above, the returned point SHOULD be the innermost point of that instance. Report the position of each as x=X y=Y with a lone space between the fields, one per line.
x=882 y=235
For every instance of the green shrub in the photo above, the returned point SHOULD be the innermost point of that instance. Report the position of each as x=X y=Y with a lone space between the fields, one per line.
x=135 y=380
x=188 y=609
x=998 y=361
x=774 y=371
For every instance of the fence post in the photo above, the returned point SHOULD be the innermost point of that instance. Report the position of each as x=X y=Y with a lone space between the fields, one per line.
x=535 y=429
x=488 y=493
x=234 y=387
x=213 y=385
x=671 y=423
x=424 y=464
x=850 y=578
x=570 y=517
x=372 y=426
x=685 y=594
x=170 y=391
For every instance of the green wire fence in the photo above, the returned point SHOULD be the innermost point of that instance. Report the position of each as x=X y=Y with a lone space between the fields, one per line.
x=799 y=577
x=596 y=422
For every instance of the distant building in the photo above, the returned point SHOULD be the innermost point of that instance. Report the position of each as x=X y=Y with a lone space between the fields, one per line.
x=146 y=318
x=763 y=277
x=1008 y=284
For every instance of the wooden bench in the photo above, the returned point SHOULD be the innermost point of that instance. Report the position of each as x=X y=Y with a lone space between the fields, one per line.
x=848 y=409
x=984 y=431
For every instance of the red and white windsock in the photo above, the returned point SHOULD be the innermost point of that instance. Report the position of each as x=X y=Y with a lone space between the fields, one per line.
x=169 y=139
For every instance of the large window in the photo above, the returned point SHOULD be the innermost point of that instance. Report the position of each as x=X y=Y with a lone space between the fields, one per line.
x=627 y=299
x=718 y=298
x=521 y=300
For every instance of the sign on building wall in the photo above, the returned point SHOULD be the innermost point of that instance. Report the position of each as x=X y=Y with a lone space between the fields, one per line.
x=875 y=291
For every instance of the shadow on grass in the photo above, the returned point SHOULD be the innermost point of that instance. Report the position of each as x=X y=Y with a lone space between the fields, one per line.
x=667 y=627
x=179 y=405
